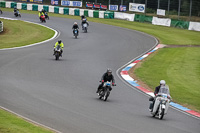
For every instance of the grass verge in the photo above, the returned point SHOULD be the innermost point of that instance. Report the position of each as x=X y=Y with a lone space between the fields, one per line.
x=180 y=67
x=166 y=35
x=19 y=33
x=10 y=123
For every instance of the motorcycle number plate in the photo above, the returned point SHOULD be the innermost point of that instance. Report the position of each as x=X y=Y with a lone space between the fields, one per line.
x=75 y=31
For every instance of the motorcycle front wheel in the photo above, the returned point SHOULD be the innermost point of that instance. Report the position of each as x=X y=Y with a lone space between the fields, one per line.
x=57 y=56
x=161 y=112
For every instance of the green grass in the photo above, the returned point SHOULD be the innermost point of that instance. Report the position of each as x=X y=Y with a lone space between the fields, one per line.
x=166 y=35
x=18 y=33
x=10 y=123
x=180 y=67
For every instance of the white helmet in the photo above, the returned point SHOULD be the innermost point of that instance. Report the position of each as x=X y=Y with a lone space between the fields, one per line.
x=75 y=22
x=162 y=82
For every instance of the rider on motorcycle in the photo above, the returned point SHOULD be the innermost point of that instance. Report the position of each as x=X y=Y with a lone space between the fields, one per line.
x=106 y=77
x=16 y=10
x=84 y=20
x=162 y=83
x=40 y=14
x=61 y=45
x=75 y=26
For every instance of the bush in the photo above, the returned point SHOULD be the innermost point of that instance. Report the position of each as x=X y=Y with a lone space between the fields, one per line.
x=150 y=10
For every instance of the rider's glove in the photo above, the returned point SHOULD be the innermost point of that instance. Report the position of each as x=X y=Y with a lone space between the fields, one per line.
x=113 y=84
x=102 y=81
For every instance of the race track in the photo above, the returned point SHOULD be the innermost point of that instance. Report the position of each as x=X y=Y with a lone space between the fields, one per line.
x=61 y=94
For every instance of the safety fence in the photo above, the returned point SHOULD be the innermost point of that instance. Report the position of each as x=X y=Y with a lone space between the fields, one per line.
x=1 y=26
x=104 y=14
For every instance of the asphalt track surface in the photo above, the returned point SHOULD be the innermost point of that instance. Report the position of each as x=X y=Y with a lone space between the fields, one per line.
x=61 y=94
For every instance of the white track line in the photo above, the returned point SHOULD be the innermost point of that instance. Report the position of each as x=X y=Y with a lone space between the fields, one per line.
x=57 y=34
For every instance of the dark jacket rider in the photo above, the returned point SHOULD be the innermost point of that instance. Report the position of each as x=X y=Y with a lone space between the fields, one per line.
x=106 y=77
x=75 y=26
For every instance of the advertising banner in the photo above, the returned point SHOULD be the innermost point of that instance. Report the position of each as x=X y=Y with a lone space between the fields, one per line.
x=71 y=3
x=161 y=12
x=122 y=8
x=54 y=2
x=36 y=1
x=97 y=6
x=137 y=7
x=104 y=7
x=23 y=0
x=113 y=7
x=89 y=5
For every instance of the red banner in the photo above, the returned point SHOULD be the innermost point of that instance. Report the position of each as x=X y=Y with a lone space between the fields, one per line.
x=89 y=5
x=104 y=7
x=96 y=6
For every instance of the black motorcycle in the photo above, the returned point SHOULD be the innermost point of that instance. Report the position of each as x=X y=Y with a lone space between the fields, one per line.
x=75 y=33
x=1 y=11
x=105 y=91
x=17 y=14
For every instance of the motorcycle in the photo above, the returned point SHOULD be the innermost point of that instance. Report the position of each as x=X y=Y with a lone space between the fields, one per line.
x=85 y=27
x=42 y=19
x=76 y=33
x=17 y=14
x=1 y=11
x=46 y=15
x=161 y=103
x=57 y=52
x=105 y=91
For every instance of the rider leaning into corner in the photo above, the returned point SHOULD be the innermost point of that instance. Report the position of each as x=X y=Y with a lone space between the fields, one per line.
x=106 y=77
x=61 y=45
x=162 y=83
x=75 y=26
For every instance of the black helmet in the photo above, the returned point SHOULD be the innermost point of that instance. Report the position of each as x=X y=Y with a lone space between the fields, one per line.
x=109 y=70
x=59 y=41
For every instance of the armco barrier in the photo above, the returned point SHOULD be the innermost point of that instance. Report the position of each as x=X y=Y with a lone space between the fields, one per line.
x=104 y=14
x=1 y=26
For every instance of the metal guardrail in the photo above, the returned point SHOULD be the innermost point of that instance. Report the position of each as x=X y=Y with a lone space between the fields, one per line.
x=1 y=26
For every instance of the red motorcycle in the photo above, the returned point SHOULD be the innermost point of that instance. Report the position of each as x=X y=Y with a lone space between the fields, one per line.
x=42 y=19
